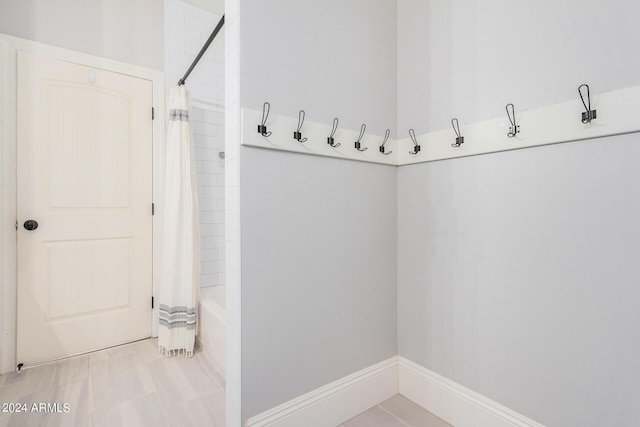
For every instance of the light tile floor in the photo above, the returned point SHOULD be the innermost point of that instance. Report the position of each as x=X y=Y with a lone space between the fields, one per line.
x=396 y=412
x=130 y=385
x=135 y=386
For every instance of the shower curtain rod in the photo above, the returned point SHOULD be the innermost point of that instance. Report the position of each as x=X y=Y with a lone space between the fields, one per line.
x=202 y=51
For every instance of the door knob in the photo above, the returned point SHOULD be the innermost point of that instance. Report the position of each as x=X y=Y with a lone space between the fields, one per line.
x=30 y=224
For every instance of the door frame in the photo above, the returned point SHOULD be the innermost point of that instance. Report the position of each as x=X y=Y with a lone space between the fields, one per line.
x=9 y=48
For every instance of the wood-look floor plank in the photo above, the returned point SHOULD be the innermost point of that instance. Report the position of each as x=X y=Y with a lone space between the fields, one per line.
x=412 y=414
x=377 y=417
x=179 y=380
x=143 y=411
x=4 y=419
x=207 y=411
x=54 y=412
x=135 y=385
x=119 y=387
x=71 y=370
x=211 y=368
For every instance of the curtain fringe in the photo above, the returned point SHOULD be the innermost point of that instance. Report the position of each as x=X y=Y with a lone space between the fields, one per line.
x=174 y=352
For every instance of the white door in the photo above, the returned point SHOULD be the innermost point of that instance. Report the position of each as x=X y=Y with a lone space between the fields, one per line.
x=85 y=176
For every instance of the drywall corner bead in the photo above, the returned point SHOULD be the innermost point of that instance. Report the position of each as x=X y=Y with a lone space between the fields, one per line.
x=544 y=126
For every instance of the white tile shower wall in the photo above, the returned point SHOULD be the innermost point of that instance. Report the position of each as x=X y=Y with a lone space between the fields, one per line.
x=210 y=179
x=186 y=29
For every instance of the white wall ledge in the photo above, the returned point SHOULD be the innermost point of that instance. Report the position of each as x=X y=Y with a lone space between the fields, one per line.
x=616 y=114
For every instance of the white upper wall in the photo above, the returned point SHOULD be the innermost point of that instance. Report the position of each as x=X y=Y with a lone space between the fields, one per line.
x=475 y=56
x=213 y=6
x=413 y=64
x=187 y=28
x=130 y=31
x=332 y=58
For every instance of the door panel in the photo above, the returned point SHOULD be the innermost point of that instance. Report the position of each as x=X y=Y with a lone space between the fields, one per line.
x=85 y=175
x=88 y=174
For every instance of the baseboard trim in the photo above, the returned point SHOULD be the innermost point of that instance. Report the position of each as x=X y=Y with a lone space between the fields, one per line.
x=341 y=400
x=337 y=402
x=452 y=402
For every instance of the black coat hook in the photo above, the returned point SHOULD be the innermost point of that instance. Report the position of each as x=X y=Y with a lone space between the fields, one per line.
x=456 y=129
x=357 y=143
x=416 y=146
x=386 y=137
x=514 y=129
x=330 y=139
x=297 y=135
x=589 y=114
x=262 y=128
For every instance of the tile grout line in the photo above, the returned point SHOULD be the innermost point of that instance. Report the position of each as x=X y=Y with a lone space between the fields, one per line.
x=394 y=415
x=165 y=415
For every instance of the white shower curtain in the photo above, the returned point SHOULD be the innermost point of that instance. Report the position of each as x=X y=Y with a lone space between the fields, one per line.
x=179 y=263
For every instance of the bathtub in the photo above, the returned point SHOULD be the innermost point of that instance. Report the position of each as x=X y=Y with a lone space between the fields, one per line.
x=213 y=324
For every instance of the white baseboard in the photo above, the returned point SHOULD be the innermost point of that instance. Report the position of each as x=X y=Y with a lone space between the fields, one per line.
x=347 y=397
x=452 y=402
x=336 y=402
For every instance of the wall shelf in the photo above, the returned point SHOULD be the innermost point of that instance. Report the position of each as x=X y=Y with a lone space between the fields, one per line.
x=617 y=114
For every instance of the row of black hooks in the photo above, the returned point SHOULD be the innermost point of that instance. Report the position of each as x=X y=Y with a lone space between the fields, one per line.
x=297 y=134
x=587 y=116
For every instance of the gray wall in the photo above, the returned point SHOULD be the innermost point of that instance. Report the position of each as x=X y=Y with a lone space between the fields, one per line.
x=517 y=271
x=414 y=52
x=332 y=58
x=475 y=56
x=123 y=30
x=518 y=277
x=318 y=235
x=318 y=272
